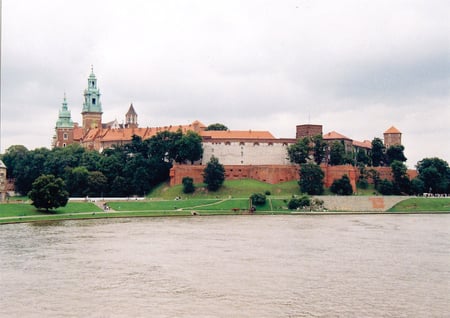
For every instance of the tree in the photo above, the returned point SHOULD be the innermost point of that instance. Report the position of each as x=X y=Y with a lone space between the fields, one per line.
x=395 y=153
x=417 y=186
x=311 y=179
x=217 y=126
x=342 y=186
x=214 y=174
x=378 y=152
x=435 y=174
x=362 y=157
x=299 y=152
x=188 y=185
x=385 y=187
x=48 y=192
x=401 y=183
x=319 y=148
x=189 y=148
x=96 y=183
x=301 y=202
x=77 y=181
x=337 y=153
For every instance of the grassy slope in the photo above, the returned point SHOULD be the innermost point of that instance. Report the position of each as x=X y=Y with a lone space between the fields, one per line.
x=25 y=209
x=422 y=205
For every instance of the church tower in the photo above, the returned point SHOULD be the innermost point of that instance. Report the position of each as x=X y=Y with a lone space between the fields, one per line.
x=64 y=126
x=92 y=107
x=131 y=118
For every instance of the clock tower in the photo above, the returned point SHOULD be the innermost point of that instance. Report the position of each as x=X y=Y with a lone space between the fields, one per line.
x=92 y=106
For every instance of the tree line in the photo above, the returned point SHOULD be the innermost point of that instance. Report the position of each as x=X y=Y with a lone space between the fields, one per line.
x=131 y=169
x=310 y=152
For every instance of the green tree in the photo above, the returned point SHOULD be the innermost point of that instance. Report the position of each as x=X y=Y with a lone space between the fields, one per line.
x=301 y=202
x=299 y=152
x=189 y=148
x=362 y=157
x=217 y=126
x=435 y=174
x=97 y=183
x=401 y=183
x=337 y=153
x=48 y=192
x=378 y=152
x=417 y=186
x=342 y=186
x=77 y=181
x=214 y=174
x=385 y=187
x=311 y=179
x=319 y=148
x=188 y=185
x=395 y=153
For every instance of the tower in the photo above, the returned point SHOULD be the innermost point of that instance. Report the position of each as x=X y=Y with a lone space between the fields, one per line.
x=392 y=137
x=131 y=118
x=92 y=107
x=64 y=126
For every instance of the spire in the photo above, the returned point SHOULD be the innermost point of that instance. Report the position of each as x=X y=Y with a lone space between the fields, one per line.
x=131 y=117
x=64 y=118
x=92 y=102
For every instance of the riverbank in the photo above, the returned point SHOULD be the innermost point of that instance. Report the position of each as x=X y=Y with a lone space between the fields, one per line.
x=334 y=205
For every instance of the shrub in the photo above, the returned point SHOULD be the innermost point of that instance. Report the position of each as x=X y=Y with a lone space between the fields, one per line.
x=267 y=192
x=362 y=184
x=342 y=186
x=188 y=185
x=385 y=187
x=296 y=203
x=258 y=199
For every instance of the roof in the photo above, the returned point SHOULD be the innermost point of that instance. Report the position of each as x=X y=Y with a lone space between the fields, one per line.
x=131 y=111
x=363 y=144
x=392 y=130
x=236 y=134
x=2 y=165
x=334 y=135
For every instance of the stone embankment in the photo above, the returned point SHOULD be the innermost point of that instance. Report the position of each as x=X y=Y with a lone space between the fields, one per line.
x=360 y=203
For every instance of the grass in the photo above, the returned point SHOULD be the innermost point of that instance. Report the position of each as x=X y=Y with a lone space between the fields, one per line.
x=26 y=209
x=422 y=205
x=234 y=188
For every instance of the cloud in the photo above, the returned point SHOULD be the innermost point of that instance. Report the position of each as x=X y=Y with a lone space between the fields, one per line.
x=356 y=67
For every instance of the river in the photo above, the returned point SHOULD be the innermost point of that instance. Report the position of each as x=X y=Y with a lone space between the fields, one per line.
x=228 y=266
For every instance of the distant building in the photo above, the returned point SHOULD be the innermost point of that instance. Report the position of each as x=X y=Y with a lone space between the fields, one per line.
x=392 y=137
x=3 y=182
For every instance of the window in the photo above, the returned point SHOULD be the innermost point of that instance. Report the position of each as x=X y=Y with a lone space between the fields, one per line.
x=93 y=101
x=65 y=136
x=64 y=145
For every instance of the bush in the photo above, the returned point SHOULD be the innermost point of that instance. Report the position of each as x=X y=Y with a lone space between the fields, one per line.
x=362 y=184
x=267 y=192
x=188 y=185
x=342 y=186
x=296 y=203
x=258 y=199
x=385 y=187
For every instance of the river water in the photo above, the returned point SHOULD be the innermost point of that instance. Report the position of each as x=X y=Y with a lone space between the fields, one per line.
x=233 y=266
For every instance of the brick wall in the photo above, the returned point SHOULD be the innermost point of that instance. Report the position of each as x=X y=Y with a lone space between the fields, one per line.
x=274 y=174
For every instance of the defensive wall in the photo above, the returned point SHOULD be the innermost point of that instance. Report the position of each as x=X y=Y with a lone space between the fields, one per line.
x=274 y=174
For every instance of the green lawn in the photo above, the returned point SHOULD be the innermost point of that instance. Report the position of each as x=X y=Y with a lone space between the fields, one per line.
x=422 y=205
x=234 y=188
x=25 y=209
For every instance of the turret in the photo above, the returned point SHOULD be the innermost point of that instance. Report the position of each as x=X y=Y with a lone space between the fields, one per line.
x=131 y=118
x=64 y=126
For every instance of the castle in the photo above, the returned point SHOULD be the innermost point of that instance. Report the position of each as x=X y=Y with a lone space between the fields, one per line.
x=239 y=150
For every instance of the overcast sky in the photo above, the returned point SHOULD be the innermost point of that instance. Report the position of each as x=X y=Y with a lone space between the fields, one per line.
x=353 y=66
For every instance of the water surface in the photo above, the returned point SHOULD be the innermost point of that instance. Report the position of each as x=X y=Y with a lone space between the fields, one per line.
x=233 y=266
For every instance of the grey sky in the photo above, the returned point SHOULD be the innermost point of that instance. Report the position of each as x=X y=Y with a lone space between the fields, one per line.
x=354 y=66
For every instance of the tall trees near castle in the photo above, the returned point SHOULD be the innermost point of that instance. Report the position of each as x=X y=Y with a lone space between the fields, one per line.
x=132 y=169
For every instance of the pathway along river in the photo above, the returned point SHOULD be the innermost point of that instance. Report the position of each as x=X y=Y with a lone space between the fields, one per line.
x=233 y=266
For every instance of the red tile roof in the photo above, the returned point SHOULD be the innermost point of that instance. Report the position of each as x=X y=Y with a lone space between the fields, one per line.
x=334 y=135
x=363 y=144
x=236 y=134
x=392 y=130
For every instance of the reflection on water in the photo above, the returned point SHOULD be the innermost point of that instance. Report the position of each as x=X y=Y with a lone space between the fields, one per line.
x=242 y=266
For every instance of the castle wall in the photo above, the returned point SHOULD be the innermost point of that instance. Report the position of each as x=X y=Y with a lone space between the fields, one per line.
x=264 y=152
x=274 y=174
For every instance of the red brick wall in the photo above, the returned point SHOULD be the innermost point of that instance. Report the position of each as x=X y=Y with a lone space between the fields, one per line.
x=275 y=173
